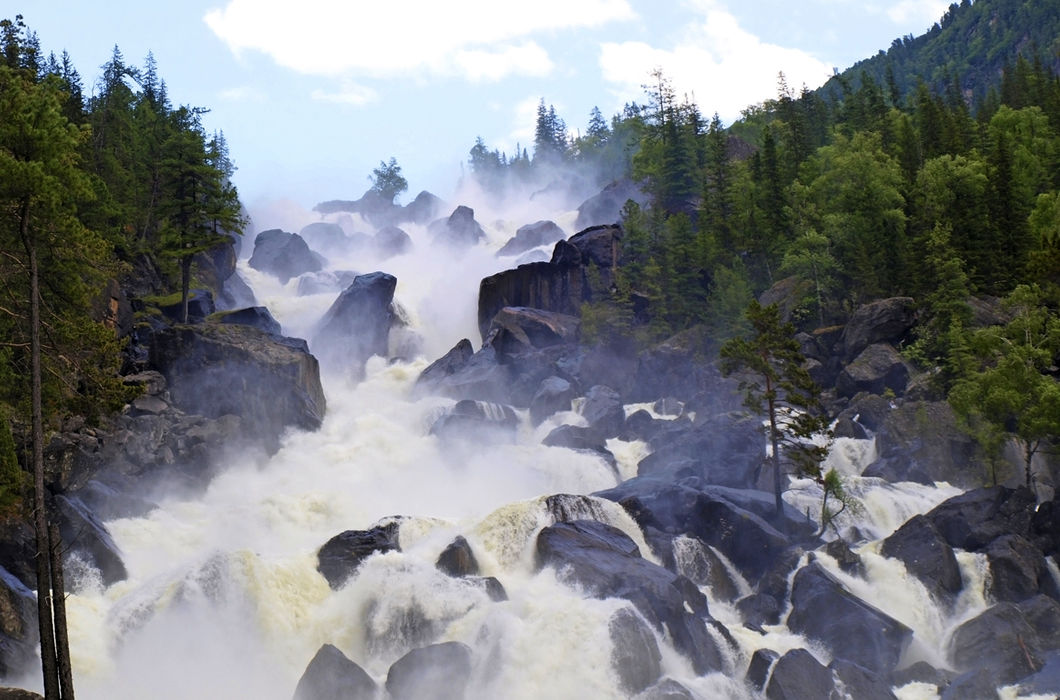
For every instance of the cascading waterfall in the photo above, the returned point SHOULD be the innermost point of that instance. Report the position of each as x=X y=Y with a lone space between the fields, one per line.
x=223 y=598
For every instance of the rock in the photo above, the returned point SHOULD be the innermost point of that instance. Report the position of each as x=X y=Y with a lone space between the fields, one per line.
x=861 y=683
x=849 y=562
x=481 y=421
x=849 y=428
x=480 y=375
x=701 y=565
x=19 y=632
x=553 y=395
x=798 y=675
x=332 y=676
x=19 y=694
x=357 y=325
x=580 y=439
x=439 y=671
x=444 y=367
x=868 y=410
x=606 y=207
x=926 y=555
x=1016 y=568
x=151 y=383
x=87 y=539
x=325 y=282
x=1046 y=680
x=1043 y=613
x=726 y=449
x=603 y=411
x=635 y=653
x=788 y=294
x=531 y=236
x=606 y=563
x=921 y=672
x=340 y=556
x=457 y=559
x=885 y=320
x=215 y=370
x=254 y=316
x=849 y=627
x=235 y=294
x=978 y=684
x=974 y=519
x=921 y=442
x=460 y=230
x=425 y=207
x=517 y=329
x=758 y=669
x=667 y=689
x=494 y=588
x=877 y=368
x=759 y=609
x=544 y=285
x=326 y=237
x=151 y=405
x=390 y=241
x=283 y=255
x=200 y=305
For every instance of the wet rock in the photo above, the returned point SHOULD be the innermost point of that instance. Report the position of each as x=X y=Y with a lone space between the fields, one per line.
x=798 y=675
x=340 y=556
x=677 y=368
x=457 y=559
x=530 y=236
x=701 y=565
x=999 y=641
x=758 y=610
x=848 y=428
x=978 y=684
x=921 y=442
x=635 y=654
x=19 y=632
x=876 y=369
x=606 y=207
x=460 y=230
x=725 y=449
x=460 y=375
x=254 y=316
x=852 y=629
x=1046 y=680
x=861 y=683
x=921 y=672
x=357 y=325
x=439 y=671
x=425 y=207
x=445 y=366
x=1043 y=613
x=667 y=689
x=848 y=560
x=283 y=255
x=518 y=329
x=974 y=519
x=926 y=555
x=200 y=305
x=869 y=410
x=548 y=286
x=1016 y=568
x=606 y=563
x=603 y=411
x=390 y=241
x=758 y=669
x=85 y=537
x=216 y=370
x=553 y=395
x=481 y=421
x=236 y=294
x=581 y=439
x=886 y=320
x=326 y=237
x=493 y=588
x=332 y=676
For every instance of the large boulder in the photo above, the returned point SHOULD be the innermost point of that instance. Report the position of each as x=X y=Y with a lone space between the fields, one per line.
x=1018 y=570
x=87 y=539
x=676 y=367
x=340 y=556
x=480 y=421
x=326 y=237
x=217 y=369
x=876 y=369
x=439 y=671
x=882 y=321
x=460 y=230
x=606 y=207
x=200 y=305
x=725 y=449
x=457 y=559
x=999 y=640
x=332 y=676
x=283 y=255
x=357 y=325
x=390 y=241
x=606 y=563
x=516 y=329
x=425 y=207
x=254 y=316
x=798 y=675
x=19 y=632
x=554 y=394
x=926 y=555
x=464 y=374
x=852 y=629
x=603 y=411
x=972 y=520
x=530 y=236
x=920 y=441
x=635 y=655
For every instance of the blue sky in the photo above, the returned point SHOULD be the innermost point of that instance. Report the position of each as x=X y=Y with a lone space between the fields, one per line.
x=313 y=94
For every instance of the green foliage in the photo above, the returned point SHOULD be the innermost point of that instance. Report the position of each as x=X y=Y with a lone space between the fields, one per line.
x=1009 y=390
x=388 y=181
x=13 y=481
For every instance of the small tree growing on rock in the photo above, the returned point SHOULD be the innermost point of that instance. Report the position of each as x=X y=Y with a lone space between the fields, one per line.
x=777 y=385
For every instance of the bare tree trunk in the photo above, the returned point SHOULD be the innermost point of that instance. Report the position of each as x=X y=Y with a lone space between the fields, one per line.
x=62 y=636
x=774 y=437
x=40 y=518
x=185 y=284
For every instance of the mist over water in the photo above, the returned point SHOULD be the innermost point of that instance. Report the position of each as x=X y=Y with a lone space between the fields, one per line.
x=223 y=598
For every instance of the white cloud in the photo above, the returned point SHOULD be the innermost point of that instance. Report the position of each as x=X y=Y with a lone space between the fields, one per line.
x=926 y=11
x=725 y=67
x=340 y=37
x=484 y=65
x=349 y=94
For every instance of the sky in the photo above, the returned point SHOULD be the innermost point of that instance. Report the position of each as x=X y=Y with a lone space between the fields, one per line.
x=312 y=95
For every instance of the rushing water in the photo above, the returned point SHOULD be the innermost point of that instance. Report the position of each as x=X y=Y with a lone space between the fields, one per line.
x=223 y=598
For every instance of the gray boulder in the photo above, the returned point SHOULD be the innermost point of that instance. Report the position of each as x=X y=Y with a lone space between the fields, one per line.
x=340 y=556
x=357 y=325
x=283 y=255
x=876 y=369
x=459 y=230
x=531 y=236
x=439 y=671
x=332 y=676
x=886 y=320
